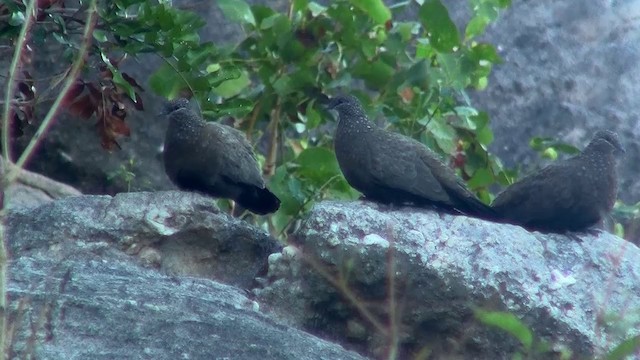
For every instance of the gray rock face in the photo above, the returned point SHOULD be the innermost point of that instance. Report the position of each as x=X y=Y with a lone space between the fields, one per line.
x=394 y=169
x=75 y=295
x=443 y=267
x=214 y=159
x=180 y=233
x=30 y=190
x=569 y=195
x=84 y=300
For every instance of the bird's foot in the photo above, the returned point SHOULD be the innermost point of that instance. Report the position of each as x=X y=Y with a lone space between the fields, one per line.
x=574 y=236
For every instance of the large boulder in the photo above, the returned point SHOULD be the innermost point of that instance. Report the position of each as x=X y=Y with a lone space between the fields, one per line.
x=367 y=274
x=178 y=232
x=75 y=293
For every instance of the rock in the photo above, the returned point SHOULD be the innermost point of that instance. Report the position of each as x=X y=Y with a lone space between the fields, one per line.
x=391 y=168
x=444 y=267
x=214 y=159
x=30 y=190
x=179 y=232
x=74 y=298
x=569 y=195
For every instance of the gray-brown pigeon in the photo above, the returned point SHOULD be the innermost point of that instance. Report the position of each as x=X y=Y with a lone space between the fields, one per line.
x=394 y=169
x=569 y=195
x=213 y=159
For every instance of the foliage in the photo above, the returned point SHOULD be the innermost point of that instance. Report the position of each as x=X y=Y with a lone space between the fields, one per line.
x=531 y=346
x=412 y=73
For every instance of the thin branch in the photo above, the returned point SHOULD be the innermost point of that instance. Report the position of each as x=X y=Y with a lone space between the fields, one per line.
x=351 y=296
x=306 y=202
x=253 y=118
x=6 y=153
x=270 y=163
x=73 y=74
x=13 y=70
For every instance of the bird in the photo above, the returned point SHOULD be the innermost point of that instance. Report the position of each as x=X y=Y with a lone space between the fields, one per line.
x=570 y=195
x=213 y=159
x=391 y=168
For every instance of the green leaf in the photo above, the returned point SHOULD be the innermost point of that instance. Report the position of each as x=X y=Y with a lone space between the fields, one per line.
x=482 y=178
x=376 y=9
x=509 y=323
x=625 y=349
x=317 y=164
x=316 y=9
x=288 y=189
x=166 y=82
x=237 y=10
x=235 y=107
x=313 y=117
x=504 y=3
x=100 y=35
x=375 y=74
x=16 y=18
x=442 y=31
x=299 y=5
x=233 y=86
x=476 y=26
x=485 y=136
x=443 y=134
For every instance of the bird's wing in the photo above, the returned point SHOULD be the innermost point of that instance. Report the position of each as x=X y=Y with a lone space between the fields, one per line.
x=446 y=176
x=238 y=162
x=536 y=196
x=396 y=163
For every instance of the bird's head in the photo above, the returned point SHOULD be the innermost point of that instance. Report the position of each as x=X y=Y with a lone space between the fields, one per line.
x=607 y=140
x=343 y=101
x=348 y=107
x=173 y=105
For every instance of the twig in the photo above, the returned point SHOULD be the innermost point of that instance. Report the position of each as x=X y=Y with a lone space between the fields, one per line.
x=6 y=153
x=13 y=70
x=253 y=118
x=270 y=163
x=307 y=201
x=73 y=74
x=351 y=297
x=14 y=171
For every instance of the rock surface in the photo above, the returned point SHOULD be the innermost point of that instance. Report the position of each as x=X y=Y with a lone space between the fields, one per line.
x=75 y=295
x=89 y=301
x=179 y=232
x=30 y=190
x=444 y=267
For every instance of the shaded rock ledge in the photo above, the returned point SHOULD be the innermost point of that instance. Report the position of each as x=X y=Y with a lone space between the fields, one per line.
x=445 y=266
x=75 y=295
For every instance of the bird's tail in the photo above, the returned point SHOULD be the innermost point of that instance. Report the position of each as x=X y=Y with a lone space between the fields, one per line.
x=259 y=201
x=472 y=206
x=476 y=208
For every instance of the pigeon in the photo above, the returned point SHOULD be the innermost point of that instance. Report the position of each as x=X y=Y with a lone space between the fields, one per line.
x=391 y=168
x=213 y=159
x=566 y=196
